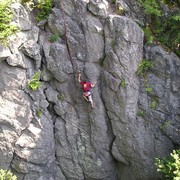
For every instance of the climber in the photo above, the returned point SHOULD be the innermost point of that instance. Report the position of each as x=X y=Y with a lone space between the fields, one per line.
x=86 y=89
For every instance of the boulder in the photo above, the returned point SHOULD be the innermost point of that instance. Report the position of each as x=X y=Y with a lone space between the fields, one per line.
x=98 y=8
x=21 y=17
x=58 y=62
x=4 y=53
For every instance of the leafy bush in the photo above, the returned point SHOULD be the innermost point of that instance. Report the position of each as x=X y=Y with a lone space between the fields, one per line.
x=34 y=83
x=170 y=166
x=6 y=28
x=45 y=7
x=164 y=27
x=151 y=7
x=148 y=34
x=7 y=175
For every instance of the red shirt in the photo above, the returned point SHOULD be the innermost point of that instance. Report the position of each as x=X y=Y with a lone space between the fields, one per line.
x=86 y=86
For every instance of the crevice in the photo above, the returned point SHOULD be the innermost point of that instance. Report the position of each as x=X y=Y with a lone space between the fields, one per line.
x=66 y=39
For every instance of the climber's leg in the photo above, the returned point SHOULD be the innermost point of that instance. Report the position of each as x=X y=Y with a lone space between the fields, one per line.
x=86 y=98
x=91 y=101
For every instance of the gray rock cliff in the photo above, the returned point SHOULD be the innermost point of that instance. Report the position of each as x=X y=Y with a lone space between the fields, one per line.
x=52 y=133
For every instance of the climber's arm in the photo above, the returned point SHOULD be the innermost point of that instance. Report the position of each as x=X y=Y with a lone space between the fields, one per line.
x=79 y=77
x=92 y=85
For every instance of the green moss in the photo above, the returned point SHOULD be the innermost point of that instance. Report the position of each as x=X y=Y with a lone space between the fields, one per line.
x=53 y=38
x=164 y=125
x=113 y=43
x=123 y=83
x=141 y=113
x=113 y=1
x=61 y=97
x=39 y=112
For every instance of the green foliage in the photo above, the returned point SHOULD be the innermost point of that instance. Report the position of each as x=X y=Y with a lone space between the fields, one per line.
x=142 y=70
x=34 y=83
x=164 y=125
x=141 y=113
x=123 y=83
x=144 y=67
x=61 y=97
x=113 y=43
x=53 y=38
x=119 y=10
x=7 y=175
x=148 y=35
x=171 y=3
x=6 y=28
x=39 y=112
x=148 y=88
x=167 y=31
x=25 y=1
x=154 y=102
x=45 y=7
x=170 y=166
x=162 y=27
x=151 y=7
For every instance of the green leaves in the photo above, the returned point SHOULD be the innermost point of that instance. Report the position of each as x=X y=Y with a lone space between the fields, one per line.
x=151 y=7
x=7 y=175
x=45 y=7
x=34 y=83
x=6 y=28
x=162 y=27
x=148 y=34
x=53 y=38
x=123 y=83
x=144 y=67
x=170 y=166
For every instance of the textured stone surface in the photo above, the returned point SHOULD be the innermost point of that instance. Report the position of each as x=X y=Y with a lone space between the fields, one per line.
x=21 y=17
x=98 y=8
x=4 y=53
x=53 y=133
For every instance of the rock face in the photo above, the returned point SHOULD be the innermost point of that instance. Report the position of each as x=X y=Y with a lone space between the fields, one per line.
x=52 y=133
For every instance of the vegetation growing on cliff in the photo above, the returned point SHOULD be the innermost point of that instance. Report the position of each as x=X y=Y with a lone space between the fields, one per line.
x=45 y=7
x=7 y=175
x=170 y=166
x=34 y=83
x=162 y=25
x=6 y=28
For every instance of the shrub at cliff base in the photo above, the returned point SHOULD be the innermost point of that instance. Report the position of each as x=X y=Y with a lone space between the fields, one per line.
x=7 y=175
x=170 y=167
